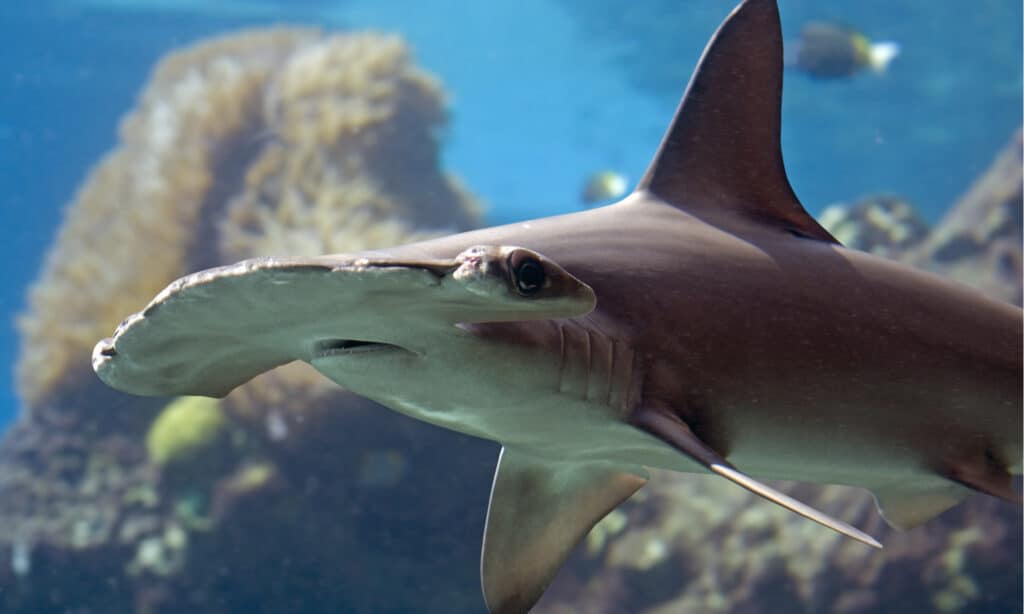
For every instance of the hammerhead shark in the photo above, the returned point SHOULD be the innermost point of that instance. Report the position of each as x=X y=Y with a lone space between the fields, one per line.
x=706 y=323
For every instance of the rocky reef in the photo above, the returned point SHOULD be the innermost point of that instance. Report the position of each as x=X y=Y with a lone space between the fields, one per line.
x=979 y=240
x=293 y=496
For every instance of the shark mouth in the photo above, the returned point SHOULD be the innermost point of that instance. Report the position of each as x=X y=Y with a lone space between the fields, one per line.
x=348 y=347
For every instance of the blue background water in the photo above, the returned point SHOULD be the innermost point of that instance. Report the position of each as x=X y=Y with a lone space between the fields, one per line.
x=541 y=95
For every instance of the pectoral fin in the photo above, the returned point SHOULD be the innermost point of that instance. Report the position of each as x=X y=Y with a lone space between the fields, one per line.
x=673 y=431
x=539 y=511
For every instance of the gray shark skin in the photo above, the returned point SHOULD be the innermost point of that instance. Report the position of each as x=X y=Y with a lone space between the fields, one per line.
x=706 y=323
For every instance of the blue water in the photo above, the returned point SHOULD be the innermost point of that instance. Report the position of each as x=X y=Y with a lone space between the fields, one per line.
x=539 y=98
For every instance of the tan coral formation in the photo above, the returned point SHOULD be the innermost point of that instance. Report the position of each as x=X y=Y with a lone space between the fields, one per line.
x=264 y=142
x=340 y=115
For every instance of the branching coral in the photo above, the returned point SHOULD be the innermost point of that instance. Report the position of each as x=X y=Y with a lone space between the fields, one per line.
x=268 y=142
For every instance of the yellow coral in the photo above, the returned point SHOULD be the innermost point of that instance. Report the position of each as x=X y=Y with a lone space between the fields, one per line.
x=186 y=431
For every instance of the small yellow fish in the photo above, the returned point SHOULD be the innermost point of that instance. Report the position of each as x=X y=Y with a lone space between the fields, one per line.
x=603 y=186
x=832 y=51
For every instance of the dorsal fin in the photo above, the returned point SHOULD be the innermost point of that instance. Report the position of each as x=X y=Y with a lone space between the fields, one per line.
x=721 y=157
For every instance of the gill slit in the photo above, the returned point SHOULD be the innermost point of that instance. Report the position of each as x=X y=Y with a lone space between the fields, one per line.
x=628 y=393
x=588 y=371
x=561 y=356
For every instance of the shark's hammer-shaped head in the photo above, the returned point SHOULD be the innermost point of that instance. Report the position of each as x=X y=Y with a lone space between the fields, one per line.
x=368 y=321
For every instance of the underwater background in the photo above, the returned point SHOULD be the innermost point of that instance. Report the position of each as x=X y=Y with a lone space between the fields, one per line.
x=480 y=113
x=541 y=93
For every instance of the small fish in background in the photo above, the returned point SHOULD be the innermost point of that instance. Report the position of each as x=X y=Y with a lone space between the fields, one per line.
x=832 y=51
x=603 y=186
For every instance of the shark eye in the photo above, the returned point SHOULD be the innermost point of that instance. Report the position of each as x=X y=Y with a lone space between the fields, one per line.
x=528 y=273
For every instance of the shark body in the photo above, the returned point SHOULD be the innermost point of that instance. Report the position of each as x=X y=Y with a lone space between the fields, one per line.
x=704 y=323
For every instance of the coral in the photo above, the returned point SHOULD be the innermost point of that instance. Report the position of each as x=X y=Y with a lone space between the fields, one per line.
x=340 y=114
x=267 y=142
x=162 y=554
x=186 y=431
x=978 y=241
x=695 y=544
x=883 y=225
x=72 y=496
